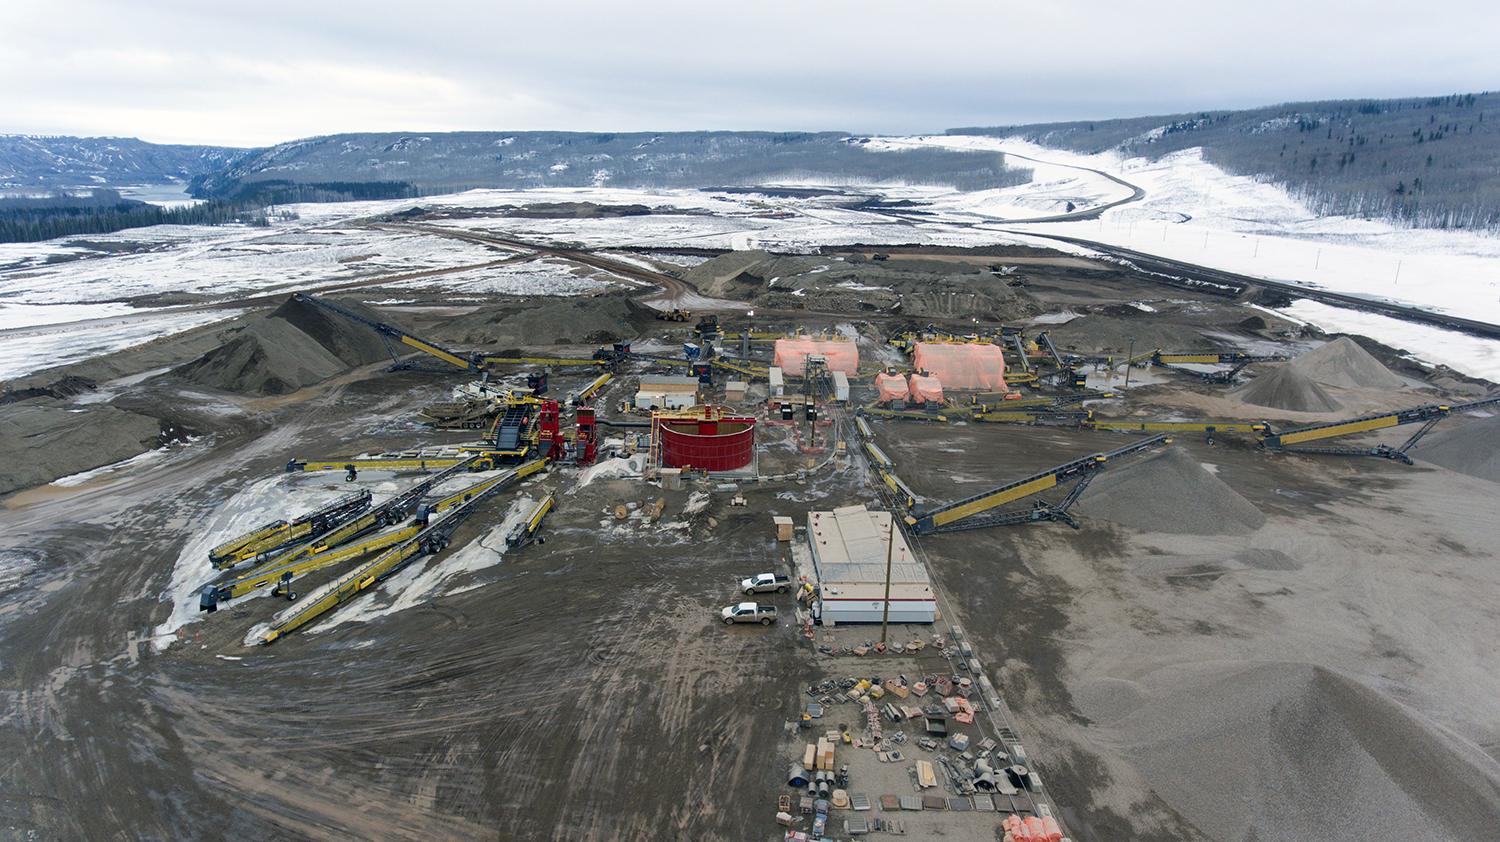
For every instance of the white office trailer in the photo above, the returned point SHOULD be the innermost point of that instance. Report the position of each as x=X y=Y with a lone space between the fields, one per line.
x=849 y=547
x=673 y=392
x=840 y=387
x=778 y=383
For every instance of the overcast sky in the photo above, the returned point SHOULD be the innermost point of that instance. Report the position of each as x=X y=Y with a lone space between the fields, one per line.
x=255 y=73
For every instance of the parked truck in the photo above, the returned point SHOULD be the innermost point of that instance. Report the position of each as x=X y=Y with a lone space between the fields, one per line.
x=766 y=583
x=749 y=612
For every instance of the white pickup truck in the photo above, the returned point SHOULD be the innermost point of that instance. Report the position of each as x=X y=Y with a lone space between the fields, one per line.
x=766 y=583
x=749 y=612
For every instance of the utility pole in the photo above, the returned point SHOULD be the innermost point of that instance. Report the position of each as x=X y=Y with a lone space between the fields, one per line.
x=890 y=546
x=1129 y=355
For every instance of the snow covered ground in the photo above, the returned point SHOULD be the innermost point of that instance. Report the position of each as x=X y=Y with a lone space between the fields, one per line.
x=281 y=496
x=1195 y=212
x=27 y=349
x=1191 y=211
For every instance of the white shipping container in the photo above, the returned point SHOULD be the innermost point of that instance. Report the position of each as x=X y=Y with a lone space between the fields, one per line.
x=778 y=383
x=840 y=387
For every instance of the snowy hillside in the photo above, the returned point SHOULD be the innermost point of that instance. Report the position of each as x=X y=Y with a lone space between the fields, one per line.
x=42 y=162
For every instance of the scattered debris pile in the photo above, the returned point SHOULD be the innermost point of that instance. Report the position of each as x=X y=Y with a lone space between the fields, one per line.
x=1111 y=334
x=41 y=441
x=1298 y=751
x=295 y=346
x=1170 y=492
x=921 y=289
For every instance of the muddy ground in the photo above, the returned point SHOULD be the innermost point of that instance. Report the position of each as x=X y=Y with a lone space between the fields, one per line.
x=583 y=688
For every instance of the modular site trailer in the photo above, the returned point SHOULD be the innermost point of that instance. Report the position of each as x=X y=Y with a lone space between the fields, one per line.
x=849 y=550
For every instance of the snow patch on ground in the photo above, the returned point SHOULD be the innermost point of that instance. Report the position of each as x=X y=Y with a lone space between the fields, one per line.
x=630 y=468
x=1470 y=355
x=282 y=496
x=420 y=582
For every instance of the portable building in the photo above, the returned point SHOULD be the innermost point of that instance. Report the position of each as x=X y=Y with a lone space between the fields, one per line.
x=776 y=380
x=849 y=549
x=666 y=392
x=840 y=387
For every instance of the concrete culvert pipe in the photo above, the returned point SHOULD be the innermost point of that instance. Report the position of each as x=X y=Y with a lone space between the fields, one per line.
x=795 y=777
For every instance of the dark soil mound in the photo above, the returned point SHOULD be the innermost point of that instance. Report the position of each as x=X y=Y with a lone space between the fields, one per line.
x=552 y=321
x=1114 y=334
x=40 y=441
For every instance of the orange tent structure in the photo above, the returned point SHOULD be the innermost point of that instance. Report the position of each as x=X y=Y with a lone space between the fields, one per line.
x=969 y=366
x=792 y=354
x=926 y=389
x=890 y=387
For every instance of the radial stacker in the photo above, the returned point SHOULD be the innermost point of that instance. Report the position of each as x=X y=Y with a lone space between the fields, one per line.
x=431 y=539
x=1234 y=359
x=278 y=534
x=1297 y=439
x=334 y=546
x=978 y=511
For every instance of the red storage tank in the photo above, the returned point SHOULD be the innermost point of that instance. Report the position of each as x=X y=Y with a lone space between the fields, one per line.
x=704 y=439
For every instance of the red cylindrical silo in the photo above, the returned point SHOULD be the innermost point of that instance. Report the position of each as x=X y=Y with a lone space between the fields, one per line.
x=706 y=440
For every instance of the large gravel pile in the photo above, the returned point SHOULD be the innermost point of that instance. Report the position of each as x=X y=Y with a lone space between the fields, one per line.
x=269 y=357
x=1171 y=492
x=1345 y=364
x=1284 y=751
x=41 y=440
x=295 y=346
x=1467 y=445
x=1286 y=387
x=551 y=321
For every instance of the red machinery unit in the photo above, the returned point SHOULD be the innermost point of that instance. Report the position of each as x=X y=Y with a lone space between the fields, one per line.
x=586 y=443
x=704 y=438
x=549 y=441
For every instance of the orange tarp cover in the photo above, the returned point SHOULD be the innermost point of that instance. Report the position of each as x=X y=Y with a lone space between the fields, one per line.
x=962 y=366
x=891 y=387
x=926 y=389
x=791 y=355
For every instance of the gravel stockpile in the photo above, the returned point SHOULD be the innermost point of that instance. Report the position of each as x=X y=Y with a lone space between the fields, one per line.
x=269 y=357
x=41 y=441
x=297 y=345
x=1296 y=752
x=1286 y=387
x=1168 y=492
x=1345 y=364
x=1467 y=445
x=354 y=344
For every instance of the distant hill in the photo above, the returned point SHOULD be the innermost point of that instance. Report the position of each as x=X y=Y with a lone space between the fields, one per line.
x=52 y=162
x=435 y=162
x=1432 y=162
